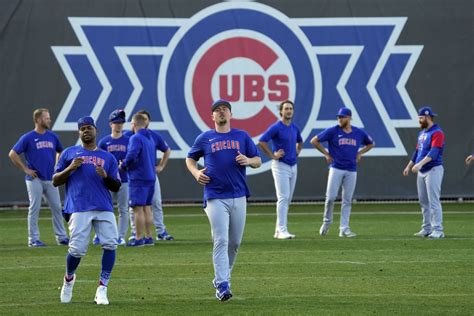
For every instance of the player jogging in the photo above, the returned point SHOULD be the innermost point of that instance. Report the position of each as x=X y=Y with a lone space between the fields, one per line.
x=40 y=148
x=287 y=144
x=427 y=163
x=89 y=173
x=344 y=141
x=227 y=152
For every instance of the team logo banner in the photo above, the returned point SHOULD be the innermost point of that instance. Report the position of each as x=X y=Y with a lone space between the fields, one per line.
x=250 y=54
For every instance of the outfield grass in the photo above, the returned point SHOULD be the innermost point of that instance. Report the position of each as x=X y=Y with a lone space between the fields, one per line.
x=382 y=271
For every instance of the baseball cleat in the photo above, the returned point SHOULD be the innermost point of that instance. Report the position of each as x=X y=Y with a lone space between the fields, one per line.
x=101 y=296
x=436 y=235
x=149 y=241
x=121 y=242
x=164 y=236
x=283 y=235
x=422 y=233
x=223 y=292
x=63 y=242
x=323 y=231
x=66 y=290
x=36 y=243
x=347 y=233
x=136 y=242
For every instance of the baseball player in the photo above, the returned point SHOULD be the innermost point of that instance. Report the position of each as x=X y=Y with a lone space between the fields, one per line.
x=227 y=152
x=116 y=144
x=89 y=173
x=40 y=148
x=427 y=163
x=161 y=145
x=287 y=144
x=140 y=166
x=344 y=141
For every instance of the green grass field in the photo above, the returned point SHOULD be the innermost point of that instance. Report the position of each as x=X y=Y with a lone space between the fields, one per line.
x=384 y=270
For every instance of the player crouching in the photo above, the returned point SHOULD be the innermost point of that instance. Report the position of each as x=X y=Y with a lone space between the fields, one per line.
x=89 y=173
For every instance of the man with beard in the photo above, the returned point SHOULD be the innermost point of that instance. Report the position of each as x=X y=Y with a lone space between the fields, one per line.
x=427 y=163
x=287 y=144
x=89 y=173
x=41 y=148
x=344 y=142
x=227 y=152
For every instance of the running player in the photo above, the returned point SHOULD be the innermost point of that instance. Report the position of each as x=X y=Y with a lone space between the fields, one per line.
x=227 y=152
x=344 y=141
x=41 y=148
x=427 y=163
x=89 y=173
x=287 y=144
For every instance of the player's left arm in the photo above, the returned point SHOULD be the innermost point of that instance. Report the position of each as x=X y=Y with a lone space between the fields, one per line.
x=437 y=142
x=254 y=161
x=369 y=144
x=163 y=161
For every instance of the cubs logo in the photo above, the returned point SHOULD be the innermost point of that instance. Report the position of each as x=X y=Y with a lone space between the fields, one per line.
x=250 y=54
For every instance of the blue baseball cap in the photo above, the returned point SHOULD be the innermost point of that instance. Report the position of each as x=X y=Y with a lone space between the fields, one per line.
x=117 y=116
x=344 y=112
x=426 y=110
x=86 y=120
x=220 y=102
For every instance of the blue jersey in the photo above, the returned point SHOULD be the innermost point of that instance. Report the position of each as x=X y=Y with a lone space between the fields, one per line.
x=160 y=143
x=40 y=152
x=141 y=158
x=228 y=178
x=85 y=189
x=343 y=147
x=283 y=137
x=118 y=148
x=429 y=140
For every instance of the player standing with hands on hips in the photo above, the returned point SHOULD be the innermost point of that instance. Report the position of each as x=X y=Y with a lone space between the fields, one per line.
x=40 y=147
x=287 y=144
x=89 y=173
x=344 y=141
x=427 y=163
x=227 y=152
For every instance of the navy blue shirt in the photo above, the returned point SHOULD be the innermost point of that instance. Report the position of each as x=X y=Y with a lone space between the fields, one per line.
x=228 y=178
x=283 y=137
x=141 y=159
x=118 y=148
x=343 y=147
x=85 y=189
x=160 y=143
x=40 y=152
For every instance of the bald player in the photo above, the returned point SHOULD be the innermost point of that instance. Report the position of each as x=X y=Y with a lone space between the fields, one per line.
x=344 y=141
x=427 y=164
x=227 y=152
x=40 y=148
x=287 y=144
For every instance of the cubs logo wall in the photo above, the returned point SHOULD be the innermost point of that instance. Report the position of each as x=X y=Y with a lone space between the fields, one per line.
x=250 y=54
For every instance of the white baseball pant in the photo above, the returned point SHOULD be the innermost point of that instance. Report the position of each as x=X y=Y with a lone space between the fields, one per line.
x=284 y=177
x=429 y=192
x=336 y=179
x=36 y=188
x=227 y=219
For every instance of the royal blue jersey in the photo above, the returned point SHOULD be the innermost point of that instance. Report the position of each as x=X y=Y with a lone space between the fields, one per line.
x=161 y=144
x=40 y=152
x=428 y=140
x=85 y=189
x=228 y=178
x=343 y=147
x=118 y=148
x=140 y=160
x=283 y=137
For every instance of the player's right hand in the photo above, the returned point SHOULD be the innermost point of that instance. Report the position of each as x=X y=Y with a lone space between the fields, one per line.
x=278 y=154
x=328 y=158
x=201 y=177
x=32 y=173
x=76 y=163
x=406 y=171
